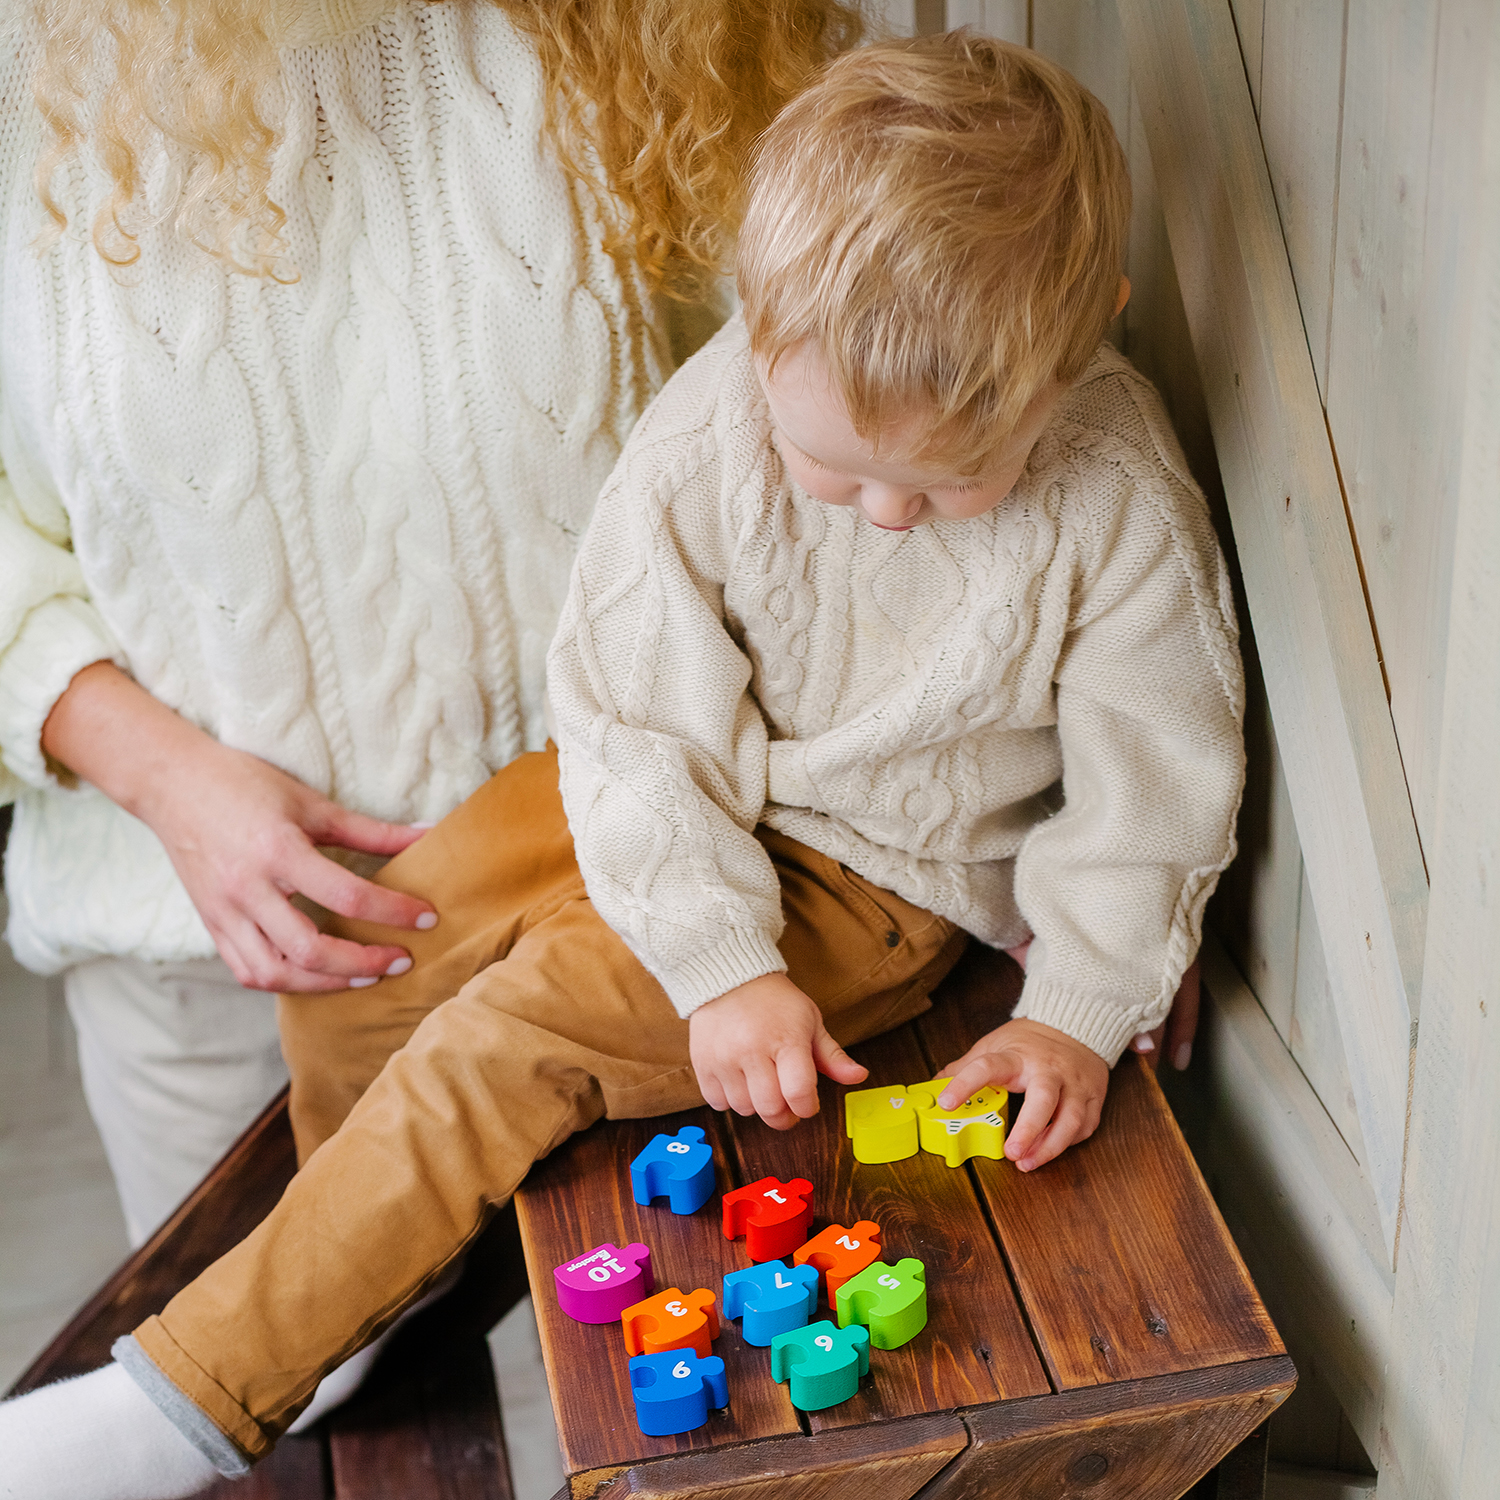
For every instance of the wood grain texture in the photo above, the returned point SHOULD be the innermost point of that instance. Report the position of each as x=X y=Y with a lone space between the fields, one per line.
x=1300 y=1208
x=888 y=1461
x=1300 y=107
x=1439 y=1434
x=580 y=1197
x=975 y=1346
x=1242 y=1471
x=1123 y=1265
x=1147 y=1439
x=234 y=1197
x=1249 y=26
x=1301 y=573
x=297 y=1470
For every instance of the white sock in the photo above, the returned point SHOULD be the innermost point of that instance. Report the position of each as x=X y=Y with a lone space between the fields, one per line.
x=99 y=1437
x=339 y=1384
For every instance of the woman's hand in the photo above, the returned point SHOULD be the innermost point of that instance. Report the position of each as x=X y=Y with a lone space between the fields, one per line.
x=1064 y=1083
x=1174 y=1037
x=759 y=1048
x=240 y=834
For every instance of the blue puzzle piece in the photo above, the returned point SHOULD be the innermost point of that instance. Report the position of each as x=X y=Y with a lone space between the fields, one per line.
x=673 y=1390
x=822 y=1363
x=680 y=1166
x=773 y=1297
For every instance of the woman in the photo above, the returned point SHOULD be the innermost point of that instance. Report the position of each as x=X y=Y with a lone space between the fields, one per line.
x=321 y=323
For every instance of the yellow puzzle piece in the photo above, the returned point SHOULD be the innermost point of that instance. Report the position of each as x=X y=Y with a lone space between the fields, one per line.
x=881 y=1123
x=975 y=1128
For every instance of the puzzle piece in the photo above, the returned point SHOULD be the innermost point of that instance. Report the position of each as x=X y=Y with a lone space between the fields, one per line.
x=975 y=1128
x=773 y=1298
x=671 y=1320
x=840 y=1252
x=673 y=1390
x=599 y=1286
x=774 y=1216
x=892 y=1300
x=822 y=1364
x=882 y=1124
x=679 y=1167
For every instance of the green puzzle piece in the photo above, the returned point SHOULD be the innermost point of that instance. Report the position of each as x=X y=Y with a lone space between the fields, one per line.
x=891 y=1299
x=822 y=1364
x=882 y=1123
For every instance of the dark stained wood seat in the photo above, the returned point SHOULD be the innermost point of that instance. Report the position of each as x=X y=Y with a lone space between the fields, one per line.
x=1092 y=1330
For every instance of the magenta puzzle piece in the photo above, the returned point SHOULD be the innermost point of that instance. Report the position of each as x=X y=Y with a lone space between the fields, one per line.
x=599 y=1286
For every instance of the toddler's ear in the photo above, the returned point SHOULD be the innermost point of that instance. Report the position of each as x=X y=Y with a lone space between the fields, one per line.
x=1121 y=297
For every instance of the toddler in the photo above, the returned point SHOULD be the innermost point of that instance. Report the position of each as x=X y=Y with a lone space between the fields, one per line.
x=898 y=622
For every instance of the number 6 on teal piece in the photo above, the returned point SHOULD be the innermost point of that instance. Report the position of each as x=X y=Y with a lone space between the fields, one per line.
x=822 y=1364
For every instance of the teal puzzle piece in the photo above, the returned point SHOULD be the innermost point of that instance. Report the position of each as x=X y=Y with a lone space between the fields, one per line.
x=892 y=1300
x=822 y=1364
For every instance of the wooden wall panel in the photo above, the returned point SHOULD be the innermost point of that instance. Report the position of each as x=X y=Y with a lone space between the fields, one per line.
x=1302 y=87
x=1391 y=357
x=1249 y=25
x=1008 y=19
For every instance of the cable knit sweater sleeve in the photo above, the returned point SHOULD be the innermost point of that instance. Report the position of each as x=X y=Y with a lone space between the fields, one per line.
x=664 y=769
x=1150 y=700
x=48 y=631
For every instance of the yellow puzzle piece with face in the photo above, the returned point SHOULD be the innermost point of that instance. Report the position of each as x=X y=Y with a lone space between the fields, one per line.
x=882 y=1123
x=974 y=1128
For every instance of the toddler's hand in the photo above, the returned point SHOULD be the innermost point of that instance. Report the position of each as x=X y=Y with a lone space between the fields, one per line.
x=1064 y=1083
x=758 y=1050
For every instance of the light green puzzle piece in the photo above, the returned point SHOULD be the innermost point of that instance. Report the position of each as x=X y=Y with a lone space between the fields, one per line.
x=882 y=1123
x=892 y=1300
x=975 y=1128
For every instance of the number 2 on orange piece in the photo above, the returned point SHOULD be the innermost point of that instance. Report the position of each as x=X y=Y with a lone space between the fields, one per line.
x=840 y=1253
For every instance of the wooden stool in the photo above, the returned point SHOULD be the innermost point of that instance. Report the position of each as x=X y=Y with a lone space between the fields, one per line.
x=1092 y=1330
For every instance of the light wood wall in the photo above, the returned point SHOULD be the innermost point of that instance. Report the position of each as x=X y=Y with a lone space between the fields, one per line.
x=1377 y=125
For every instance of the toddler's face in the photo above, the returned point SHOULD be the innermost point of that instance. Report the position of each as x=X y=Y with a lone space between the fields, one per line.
x=833 y=463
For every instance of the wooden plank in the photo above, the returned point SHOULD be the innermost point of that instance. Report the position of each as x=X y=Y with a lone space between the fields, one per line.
x=1249 y=27
x=975 y=1347
x=890 y=1461
x=580 y=1197
x=1300 y=104
x=1301 y=575
x=1084 y=36
x=235 y=1196
x=1395 y=360
x=1148 y=1439
x=1006 y=19
x=1313 y=1037
x=297 y=1469
x=1301 y=1210
x=1120 y=1258
x=1242 y=1471
x=1439 y=1433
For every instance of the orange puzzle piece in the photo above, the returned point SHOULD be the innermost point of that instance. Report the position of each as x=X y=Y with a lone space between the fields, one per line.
x=840 y=1253
x=671 y=1320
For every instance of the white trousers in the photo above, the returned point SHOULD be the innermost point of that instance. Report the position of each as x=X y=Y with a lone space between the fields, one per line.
x=177 y=1059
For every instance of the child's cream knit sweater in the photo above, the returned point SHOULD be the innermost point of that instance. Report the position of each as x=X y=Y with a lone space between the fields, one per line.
x=329 y=521
x=1031 y=719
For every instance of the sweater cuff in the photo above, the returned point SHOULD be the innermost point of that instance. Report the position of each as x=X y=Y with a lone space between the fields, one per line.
x=1105 y=1026
x=742 y=956
x=59 y=638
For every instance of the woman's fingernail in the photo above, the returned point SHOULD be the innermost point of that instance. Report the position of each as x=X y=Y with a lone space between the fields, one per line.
x=1143 y=1043
x=427 y=921
x=398 y=966
x=1183 y=1056
x=423 y=826
x=364 y=982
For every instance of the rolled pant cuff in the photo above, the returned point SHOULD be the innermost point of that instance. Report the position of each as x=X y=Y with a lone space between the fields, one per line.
x=192 y=1401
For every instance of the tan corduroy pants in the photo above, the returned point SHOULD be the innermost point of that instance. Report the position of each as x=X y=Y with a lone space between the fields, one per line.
x=421 y=1103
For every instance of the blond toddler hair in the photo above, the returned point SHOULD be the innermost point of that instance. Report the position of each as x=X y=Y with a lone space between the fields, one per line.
x=943 y=220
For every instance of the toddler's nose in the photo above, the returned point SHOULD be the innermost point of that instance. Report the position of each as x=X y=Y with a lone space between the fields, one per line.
x=890 y=507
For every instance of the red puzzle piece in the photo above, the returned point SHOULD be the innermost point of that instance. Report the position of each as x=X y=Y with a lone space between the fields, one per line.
x=671 y=1320
x=840 y=1253
x=774 y=1216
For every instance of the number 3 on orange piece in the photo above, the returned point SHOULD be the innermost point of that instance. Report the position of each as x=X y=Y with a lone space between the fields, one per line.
x=671 y=1320
x=774 y=1216
x=840 y=1253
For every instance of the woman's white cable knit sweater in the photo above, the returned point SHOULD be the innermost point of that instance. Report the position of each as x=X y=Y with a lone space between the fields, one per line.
x=733 y=651
x=329 y=521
